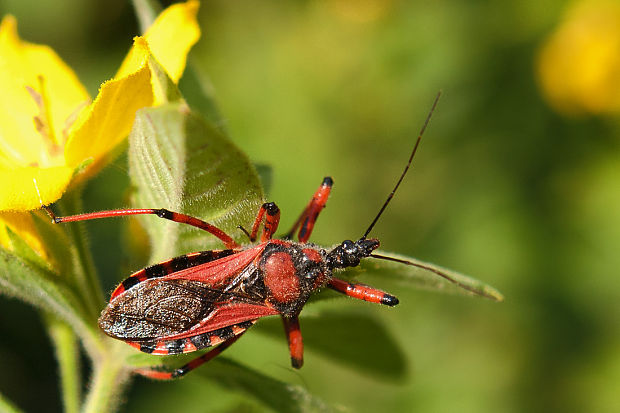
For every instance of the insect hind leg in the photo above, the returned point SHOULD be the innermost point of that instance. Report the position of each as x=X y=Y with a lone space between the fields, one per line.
x=309 y=215
x=162 y=373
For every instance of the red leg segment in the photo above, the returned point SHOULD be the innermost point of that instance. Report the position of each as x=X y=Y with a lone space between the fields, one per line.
x=161 y=213
x=271 y=213
x=362 y=292
x=295 y=341
x=197 y=362
x=308 y=217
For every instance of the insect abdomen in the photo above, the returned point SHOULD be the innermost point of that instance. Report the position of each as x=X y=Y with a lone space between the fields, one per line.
x=164 y=347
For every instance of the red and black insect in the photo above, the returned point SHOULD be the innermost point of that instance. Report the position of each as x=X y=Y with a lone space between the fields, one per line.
x=211 y=298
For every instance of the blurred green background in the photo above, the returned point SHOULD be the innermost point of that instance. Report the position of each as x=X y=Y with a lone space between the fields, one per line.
x=504 y=189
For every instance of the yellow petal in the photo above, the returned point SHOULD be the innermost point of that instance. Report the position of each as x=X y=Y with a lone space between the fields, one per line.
x=38 y=67
x=109 y=119
x=170 y=38
x=20 y=193
x=23 y=225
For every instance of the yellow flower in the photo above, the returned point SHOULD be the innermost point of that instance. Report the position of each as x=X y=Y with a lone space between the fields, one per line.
x=579 y=64
x=52 y=134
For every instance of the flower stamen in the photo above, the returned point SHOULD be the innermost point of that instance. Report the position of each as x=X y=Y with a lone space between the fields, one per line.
x=52 y=147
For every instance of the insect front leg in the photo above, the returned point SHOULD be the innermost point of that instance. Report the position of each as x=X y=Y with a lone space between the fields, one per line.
x=308 y=217
x=163 y=374
x=295 y=341
x=362 y=292
x=161 y=213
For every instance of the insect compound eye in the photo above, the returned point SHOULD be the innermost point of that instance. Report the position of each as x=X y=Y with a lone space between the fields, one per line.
x=349 y=247
x=347 y=254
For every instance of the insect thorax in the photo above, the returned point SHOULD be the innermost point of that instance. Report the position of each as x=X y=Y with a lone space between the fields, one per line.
x=291 y=272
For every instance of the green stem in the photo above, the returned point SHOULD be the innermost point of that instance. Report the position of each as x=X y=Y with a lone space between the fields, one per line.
x=68 y=355
x=110 y=378
x=85 y=274
x=146 y=12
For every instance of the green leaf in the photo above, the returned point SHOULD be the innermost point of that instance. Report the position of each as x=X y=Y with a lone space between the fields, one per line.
x=353 y=335
x=198 y=90
x=279 y=396
x=43 y=289
x=22 y=249
x=275 y=394
x=265 y=172
x=180 y=162
x=7 y=407
x=167 y=89
x=58 y=245
x=421 y=275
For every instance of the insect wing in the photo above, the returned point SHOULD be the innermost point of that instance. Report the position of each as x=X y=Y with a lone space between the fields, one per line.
x=213 y=267
x=190 y=309
x=163 y=316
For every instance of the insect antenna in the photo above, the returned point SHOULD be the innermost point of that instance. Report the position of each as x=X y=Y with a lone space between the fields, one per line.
x=469 y=288
x=415 y=148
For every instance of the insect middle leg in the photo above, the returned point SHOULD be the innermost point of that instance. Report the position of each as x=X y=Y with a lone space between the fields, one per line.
x=161 y=213
x=271 y=213
x=162 y=374
x=308 y=217
x=362 y=292
x=295 y=341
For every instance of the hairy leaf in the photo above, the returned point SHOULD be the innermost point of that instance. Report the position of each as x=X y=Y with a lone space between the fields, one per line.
x=181 y=162
x=43 y=289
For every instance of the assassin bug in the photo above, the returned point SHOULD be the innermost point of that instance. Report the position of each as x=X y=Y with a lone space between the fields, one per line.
x=211 y=298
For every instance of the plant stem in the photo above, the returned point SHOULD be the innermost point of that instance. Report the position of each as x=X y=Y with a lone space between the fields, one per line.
x=68 y=355
x=146 y=12
x=85 y=273
x=110 y=378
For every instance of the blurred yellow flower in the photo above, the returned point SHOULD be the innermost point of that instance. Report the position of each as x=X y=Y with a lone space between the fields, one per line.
x=579 y=64
x=52 y=134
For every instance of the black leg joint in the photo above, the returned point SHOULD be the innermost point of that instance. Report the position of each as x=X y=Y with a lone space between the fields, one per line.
x=50 y=213
x=163 y=213
x=271 y=208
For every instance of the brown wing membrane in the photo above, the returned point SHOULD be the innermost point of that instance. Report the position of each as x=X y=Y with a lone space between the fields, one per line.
x=160 y=308
x=158 y=314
